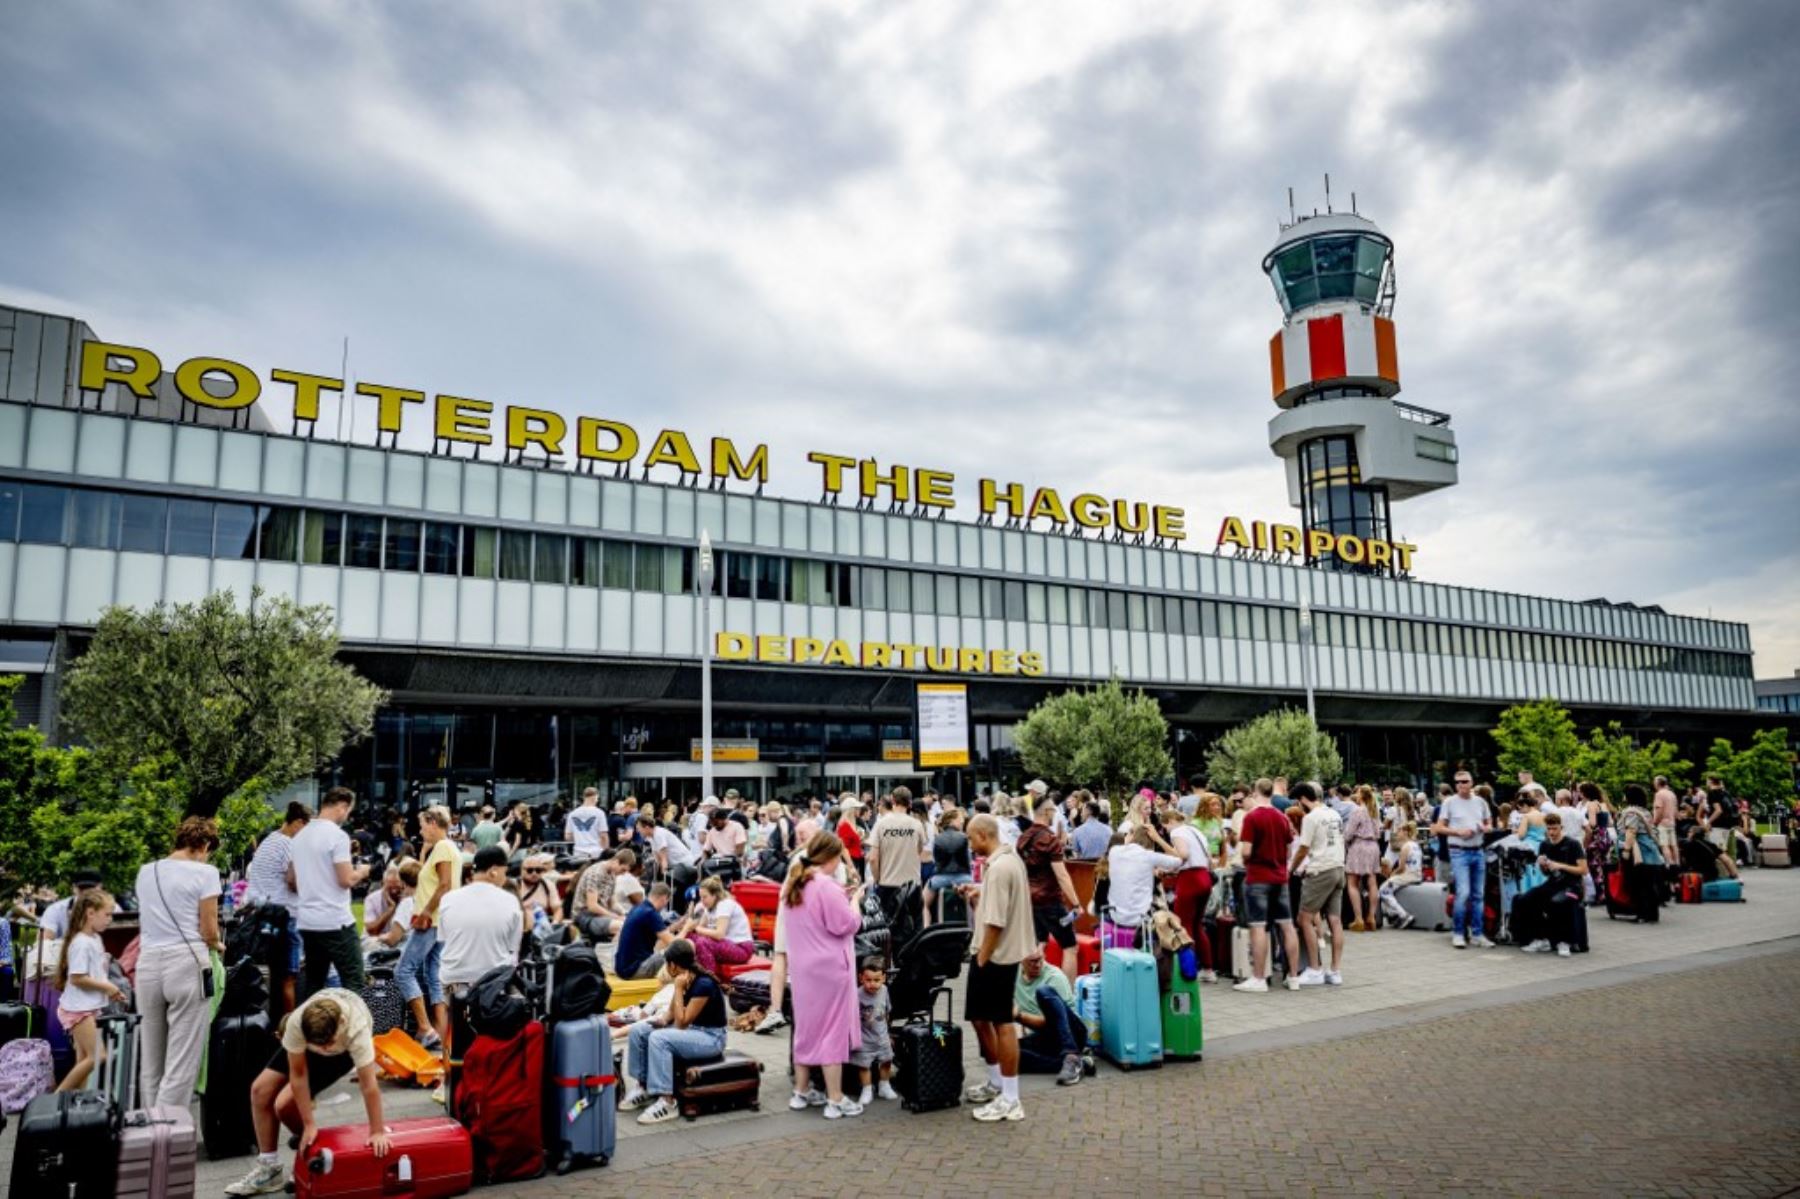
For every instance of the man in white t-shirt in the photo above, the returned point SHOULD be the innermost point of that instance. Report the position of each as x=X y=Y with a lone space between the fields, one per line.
x=322 y=874
x=585 y=827
x=1321 y=854
x=55 y=920
x=480 y=926
x=672 y=856
x=268 y=879
x=1574 y=816
x=1463 y=818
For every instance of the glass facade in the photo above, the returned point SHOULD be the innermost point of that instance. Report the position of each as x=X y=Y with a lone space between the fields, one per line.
x=1333 y=497
x=1321 y=269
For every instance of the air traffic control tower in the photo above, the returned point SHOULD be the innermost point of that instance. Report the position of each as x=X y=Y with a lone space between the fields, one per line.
x=1351 y=449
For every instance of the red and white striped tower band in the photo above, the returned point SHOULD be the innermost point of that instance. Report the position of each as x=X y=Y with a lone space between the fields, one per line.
x=1351 y=449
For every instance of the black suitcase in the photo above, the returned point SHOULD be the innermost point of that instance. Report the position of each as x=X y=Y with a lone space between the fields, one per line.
x=68 y=1146
x=20 y=1021
x=727 y=868
x=238 y=1048
x=749 y=990
x=928 y=1060
x=381 y=995
x=725 y=1084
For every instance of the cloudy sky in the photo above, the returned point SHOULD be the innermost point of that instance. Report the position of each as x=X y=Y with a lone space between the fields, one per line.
x=1012 y=239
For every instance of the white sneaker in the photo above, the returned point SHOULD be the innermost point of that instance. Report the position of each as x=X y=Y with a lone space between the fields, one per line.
x=1538 y=946
x=886 y=1091
x=1333 y=979
x=1562 y=951
x=262 y=1179
x=1311 y=977
x=634 y=1099
x=1209 y=976
x=981 y=1092
x=1293 y=982
x=660 y=1112
x=1457 y=942
x=770 y=1023
x=438 y=1096
x=1483 y=943
x=842 y=1108
x=1254 y=986
x=1000 y=1109
x=797 y=1102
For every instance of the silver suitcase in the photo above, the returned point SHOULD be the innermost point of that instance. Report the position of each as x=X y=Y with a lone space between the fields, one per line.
x=1425 y=903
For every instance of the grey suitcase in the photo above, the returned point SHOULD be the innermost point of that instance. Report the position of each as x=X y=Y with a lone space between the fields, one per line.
x=1425 y=902
x=1774 y=851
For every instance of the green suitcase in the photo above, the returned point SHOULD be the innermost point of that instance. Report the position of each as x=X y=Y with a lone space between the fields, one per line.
x=1181 y=1030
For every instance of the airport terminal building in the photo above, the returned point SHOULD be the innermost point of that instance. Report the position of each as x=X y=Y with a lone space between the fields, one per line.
x=535 y=614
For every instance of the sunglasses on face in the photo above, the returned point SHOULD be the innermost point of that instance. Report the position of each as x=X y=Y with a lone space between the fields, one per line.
x=533 y=873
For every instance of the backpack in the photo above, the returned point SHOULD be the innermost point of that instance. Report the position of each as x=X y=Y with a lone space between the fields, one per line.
x=496 y=1007
x=580 y=988
x=381 y=995
x=499 y=1099
x=259 y=934
x=24 y=1073
x=245 y=991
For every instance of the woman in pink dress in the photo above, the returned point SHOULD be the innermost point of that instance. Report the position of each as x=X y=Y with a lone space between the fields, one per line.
x=821 y=922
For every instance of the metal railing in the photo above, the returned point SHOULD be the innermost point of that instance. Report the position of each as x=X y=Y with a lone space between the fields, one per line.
x=1424 y=416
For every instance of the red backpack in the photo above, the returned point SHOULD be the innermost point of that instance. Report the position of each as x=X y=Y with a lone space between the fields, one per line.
x=499 y=1099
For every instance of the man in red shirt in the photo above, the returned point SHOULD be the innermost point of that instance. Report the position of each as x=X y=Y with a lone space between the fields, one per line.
x=1266 y=837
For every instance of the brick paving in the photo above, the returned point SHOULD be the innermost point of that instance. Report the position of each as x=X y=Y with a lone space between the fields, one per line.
x=1678 y=1084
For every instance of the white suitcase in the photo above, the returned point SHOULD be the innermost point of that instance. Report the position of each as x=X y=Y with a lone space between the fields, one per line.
x=1425 y=903
x=1774 y=851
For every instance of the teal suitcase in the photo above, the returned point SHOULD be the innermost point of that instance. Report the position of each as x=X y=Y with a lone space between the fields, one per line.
x=1130 y=1011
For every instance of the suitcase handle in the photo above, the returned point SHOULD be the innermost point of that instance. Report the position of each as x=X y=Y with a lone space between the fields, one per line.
x=949 y=1004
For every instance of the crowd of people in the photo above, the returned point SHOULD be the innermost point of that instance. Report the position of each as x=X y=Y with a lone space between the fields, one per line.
x=446 y=898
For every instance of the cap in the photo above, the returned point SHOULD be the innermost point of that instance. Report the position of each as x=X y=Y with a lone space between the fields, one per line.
x=1037 y=786
x=711 y=801
x=489 y=857
x=86 y=878
x=732 y=793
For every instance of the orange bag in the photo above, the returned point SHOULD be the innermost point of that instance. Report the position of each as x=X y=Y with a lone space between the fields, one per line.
x=399 y=1056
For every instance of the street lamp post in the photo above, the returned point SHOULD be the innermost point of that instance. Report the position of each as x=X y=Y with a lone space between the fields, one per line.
x=1306 y=673
x=703 y=577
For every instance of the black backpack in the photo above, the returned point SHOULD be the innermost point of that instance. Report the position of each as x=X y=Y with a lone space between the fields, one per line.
x=245 y=991
x=496 y=1007
x=259 y=934
x=580 y=989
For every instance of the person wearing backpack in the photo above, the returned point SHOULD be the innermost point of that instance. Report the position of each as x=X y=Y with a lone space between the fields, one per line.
x=481 y=925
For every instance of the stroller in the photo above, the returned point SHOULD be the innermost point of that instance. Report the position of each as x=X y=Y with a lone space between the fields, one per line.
x=923 y=963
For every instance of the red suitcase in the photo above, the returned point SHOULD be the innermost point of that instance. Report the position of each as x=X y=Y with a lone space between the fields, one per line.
x=757 y=896
x=1087 y=953
x=729 y=971
x=426 y=1159
x=1690 y=889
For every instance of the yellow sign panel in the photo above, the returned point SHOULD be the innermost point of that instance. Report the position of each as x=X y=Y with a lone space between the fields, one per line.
x=875 y=655
x=896 y=751
x=726 y=751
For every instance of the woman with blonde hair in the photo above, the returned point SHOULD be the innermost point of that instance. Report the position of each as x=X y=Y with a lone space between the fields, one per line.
x=1362 y=860
x=821 y=919
x=440 y=872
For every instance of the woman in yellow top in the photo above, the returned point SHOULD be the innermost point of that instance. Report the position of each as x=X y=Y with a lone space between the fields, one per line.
x=440 y=873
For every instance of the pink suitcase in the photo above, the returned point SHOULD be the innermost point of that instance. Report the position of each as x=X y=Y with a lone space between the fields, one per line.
x=157 y=1154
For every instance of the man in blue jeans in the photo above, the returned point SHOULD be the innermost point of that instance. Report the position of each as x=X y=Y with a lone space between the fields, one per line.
x=1463 y=818
x=1054 y=1037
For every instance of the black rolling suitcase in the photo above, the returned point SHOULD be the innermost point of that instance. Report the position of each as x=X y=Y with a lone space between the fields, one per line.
x=237 y=1050
x=749 y=991
x=928 y=1060
x=68 y=1146
x=729 y=1083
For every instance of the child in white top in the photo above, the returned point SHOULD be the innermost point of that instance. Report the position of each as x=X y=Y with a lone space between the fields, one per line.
x=81 y=976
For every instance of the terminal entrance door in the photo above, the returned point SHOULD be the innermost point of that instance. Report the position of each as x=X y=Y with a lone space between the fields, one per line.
x=872 y=776
x=679 y=781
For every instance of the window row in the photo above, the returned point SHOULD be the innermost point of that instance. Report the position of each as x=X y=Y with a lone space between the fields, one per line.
x=206 y=528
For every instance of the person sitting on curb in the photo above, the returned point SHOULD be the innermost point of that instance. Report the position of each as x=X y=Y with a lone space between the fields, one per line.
x=598 y=905
x=1055 y=1039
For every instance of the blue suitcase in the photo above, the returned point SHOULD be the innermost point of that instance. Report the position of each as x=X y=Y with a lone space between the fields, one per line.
x=1130 y=1009
x=584 y=1093
x=1724 y=890
x=1087 y=1005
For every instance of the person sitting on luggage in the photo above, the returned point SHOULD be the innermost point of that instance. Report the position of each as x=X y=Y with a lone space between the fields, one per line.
x=537 y=891
x=874 y=1058
x=381 y=905
x=1698 y=854
x=1405 y=862
x=695 y=1032
x=1542 y=914
x=718 y=928
x=637 y=953
x=397 y=921
x=724 y=837
x=1054 y=1039
x=323 y=1039
x=599 y=905
x=81 y=976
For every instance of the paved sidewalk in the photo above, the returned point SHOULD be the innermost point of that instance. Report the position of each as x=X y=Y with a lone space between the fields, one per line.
x=1392 y=978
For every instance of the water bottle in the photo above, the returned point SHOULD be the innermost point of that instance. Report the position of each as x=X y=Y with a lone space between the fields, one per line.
x=538 y=919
